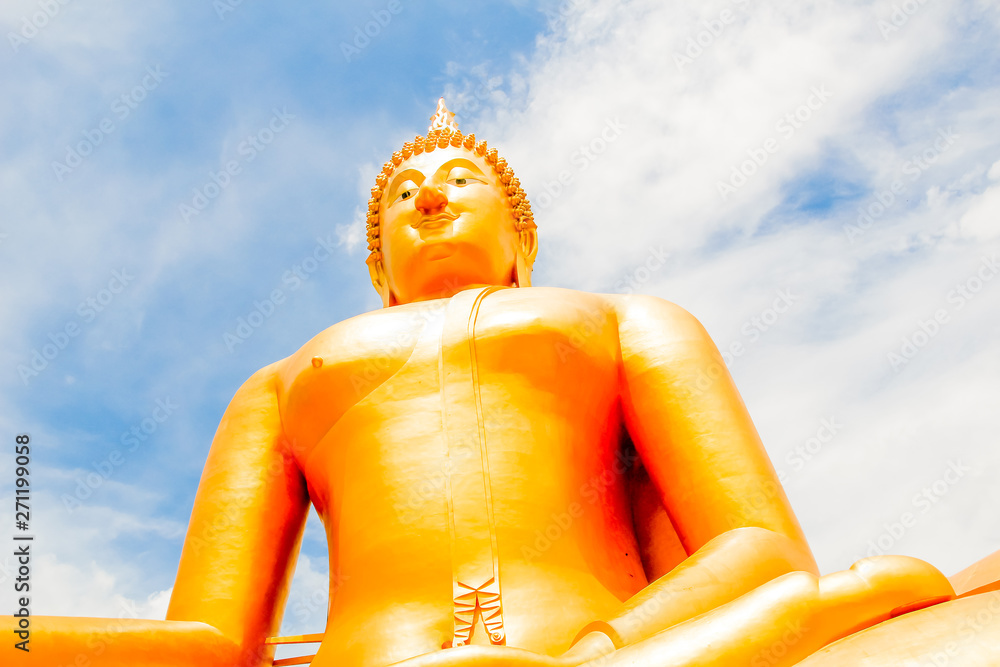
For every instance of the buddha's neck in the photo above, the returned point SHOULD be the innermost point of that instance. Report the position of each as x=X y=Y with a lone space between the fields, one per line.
x=446 y=293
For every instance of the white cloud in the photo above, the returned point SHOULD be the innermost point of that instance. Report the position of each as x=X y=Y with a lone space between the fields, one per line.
x=354 y=235
x=662 y=133
x=88 y=590
x=78 y=567
x=687 y=125
x=982 y=221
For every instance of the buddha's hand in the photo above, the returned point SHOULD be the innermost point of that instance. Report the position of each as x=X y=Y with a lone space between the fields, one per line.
x=592 y=646
x=482 y=656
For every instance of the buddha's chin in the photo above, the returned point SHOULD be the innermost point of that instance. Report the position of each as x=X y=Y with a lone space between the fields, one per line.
x=433 y=252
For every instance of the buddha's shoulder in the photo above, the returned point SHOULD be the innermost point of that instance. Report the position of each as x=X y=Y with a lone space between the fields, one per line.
x=635 y=308
x=382 y=331
x=649 y=307
x=646 y=321
x=356 y=336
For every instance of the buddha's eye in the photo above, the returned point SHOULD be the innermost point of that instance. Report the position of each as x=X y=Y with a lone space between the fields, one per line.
x=408 y=193
x=462 y=181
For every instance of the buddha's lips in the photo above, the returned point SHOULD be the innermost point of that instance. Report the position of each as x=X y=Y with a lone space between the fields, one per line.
x=435 y=221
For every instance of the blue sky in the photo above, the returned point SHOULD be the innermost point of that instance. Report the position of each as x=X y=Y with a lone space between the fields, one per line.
x=652 y=136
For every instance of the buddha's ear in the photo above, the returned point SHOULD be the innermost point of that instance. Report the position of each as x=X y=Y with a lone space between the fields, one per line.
x=527 y=248
x=380 y=282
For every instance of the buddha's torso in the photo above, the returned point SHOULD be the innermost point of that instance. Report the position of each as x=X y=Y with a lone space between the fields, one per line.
x=463 y=444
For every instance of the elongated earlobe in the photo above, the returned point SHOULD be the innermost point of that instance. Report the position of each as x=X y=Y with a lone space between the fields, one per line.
x=522 y=274
x=381 y=283
x=388 y=298
x=527 y=248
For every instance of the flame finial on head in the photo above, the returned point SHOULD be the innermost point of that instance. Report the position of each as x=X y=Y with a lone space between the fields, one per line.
x=443 y=119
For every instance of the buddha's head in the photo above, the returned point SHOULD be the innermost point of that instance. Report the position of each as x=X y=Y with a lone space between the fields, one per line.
x=447 y=213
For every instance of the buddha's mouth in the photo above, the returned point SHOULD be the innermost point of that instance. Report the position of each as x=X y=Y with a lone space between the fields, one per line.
x=432 y=222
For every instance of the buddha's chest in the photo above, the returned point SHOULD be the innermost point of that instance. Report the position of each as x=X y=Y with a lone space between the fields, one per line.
x=502 y=353
x=456 y=441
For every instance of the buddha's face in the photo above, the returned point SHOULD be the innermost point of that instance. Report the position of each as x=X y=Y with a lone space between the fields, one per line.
x=446 y=224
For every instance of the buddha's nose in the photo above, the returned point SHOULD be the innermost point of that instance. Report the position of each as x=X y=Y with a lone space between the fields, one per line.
x=430 y=198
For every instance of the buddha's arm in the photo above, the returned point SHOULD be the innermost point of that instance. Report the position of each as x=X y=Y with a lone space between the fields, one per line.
x=785 y=620
x=235 y=566
x=750 y=576
x=57 y=641
x=692 y=430
x=695 y=438
x=246 y=526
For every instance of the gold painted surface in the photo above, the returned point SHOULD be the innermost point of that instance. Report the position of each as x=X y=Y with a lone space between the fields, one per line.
x=531 y=471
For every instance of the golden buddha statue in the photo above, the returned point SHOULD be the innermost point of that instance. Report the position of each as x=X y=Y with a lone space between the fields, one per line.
x=512 y=476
